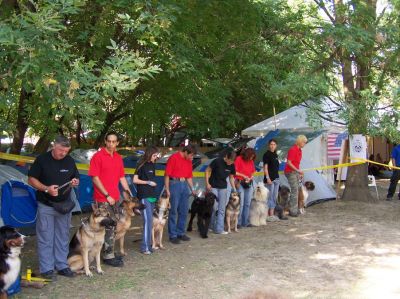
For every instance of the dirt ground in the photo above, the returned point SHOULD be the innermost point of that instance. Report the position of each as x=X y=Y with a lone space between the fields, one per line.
x=336 y=250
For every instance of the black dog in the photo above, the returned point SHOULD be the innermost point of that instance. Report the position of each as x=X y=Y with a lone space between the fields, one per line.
x=203 y=207
x=11 y=243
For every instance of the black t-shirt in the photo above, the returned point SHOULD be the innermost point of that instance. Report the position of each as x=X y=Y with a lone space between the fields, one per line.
x=271 y=159
x=219 y=172
x=50 y=171
x=147 y=172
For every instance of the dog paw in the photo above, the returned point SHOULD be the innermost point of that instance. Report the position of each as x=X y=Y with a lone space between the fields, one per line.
x=89 y=274
x=161 y=247
x=123 y=253
x=99 y=271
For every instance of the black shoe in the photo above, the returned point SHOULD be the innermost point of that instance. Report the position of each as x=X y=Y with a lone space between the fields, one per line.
x=114 y=262
x=294 y=214
x=389 y=198
x=283 y=218
x=67 y=272
x=119 y=257
x=239 y=227
x=175 y=241
x=50 y=275
x=184 y=238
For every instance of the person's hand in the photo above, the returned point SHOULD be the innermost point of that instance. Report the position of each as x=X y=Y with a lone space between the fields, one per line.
x=194 y=192
x=269 y=182
x=208 y=187
x=53 y=190
x=111 y=200
x=301 y=173
x=247 y=179
x=74 y=182
x=168 y=193
x=151 y=183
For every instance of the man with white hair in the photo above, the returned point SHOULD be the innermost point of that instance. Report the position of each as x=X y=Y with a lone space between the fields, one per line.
x=53 y=174
x=293 y=173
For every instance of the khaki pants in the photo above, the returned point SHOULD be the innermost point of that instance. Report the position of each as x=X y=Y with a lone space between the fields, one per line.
x=293 y=179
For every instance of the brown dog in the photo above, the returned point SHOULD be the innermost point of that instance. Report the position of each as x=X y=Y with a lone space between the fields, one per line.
x=232 y=212
x=303 y=195
x=124 y=219
x=86 y=244
x=160 y=216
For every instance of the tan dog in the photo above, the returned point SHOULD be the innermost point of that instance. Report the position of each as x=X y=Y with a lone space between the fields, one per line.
x=258 y=206
x=232 y=212
x=124 y=219
x=86 y=244
x=160 y=216
x=303 y=195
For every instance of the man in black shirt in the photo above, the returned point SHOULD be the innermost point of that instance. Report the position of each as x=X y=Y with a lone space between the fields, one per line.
x=49 y=171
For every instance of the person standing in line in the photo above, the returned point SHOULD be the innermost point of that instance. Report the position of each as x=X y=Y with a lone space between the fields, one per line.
x=216 y=181
x=145 y=179
x=294 y=174
x=107 y=172
x=178 y=186
x=49 y=171
x=245 y=169
x=271 y=178
x=396 y=173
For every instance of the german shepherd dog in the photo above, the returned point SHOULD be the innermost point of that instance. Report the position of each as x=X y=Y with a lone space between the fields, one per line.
x=86 y=244
x=11 y=243
x=203 y=208
x=160 y=216
x=128 y=208
x=303 y=195
x=232 y=212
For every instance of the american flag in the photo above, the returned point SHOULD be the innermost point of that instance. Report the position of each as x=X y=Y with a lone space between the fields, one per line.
x=334 y=144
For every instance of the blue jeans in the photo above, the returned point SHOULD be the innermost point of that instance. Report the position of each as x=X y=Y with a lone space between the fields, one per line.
x=218 y=215
x=179 y=201
x=273 y=193
x=52 y=233
x=147 y=225
x=245 y=200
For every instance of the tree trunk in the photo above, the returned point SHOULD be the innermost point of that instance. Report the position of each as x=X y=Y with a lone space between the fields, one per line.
x=42 y=145
x=78 y=131
x=357 y=184
x=22 y=123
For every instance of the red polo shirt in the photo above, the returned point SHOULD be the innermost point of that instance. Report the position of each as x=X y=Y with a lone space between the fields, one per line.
x=109 y=169
x=294 y=155
x=245 y=167
x=179 y=167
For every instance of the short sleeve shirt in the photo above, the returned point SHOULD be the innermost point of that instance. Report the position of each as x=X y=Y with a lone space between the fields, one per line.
x=245 y=167
x=110 y=169
x=271 y=159
x=219 y=172
x=50 y=171
x=179 y=167
x=396 y=155
x=147 y=172
x=294 y=155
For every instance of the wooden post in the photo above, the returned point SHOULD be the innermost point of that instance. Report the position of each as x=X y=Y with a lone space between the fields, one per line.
x=345 y=159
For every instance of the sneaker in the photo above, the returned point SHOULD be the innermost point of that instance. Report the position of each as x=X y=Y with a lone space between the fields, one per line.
x=294 y=214
x=114 y=262
x=389 y=198
x=272 y=219
x=49 y=275
x=175 y=241
x=222 y=233
x=184 y=238
x=67 y=272
x=146 y=252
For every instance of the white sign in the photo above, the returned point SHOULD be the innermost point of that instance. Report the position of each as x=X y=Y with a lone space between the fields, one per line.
x=358 y=147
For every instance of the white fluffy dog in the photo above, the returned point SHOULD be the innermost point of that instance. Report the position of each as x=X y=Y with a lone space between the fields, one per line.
x=258 y=206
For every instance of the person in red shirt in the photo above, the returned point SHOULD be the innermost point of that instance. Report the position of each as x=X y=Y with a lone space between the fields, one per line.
x=179 y=186
x=293 y=173
x=107 y=171
x=244 y=165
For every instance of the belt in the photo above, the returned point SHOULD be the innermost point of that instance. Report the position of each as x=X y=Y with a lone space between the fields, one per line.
x=177 y=179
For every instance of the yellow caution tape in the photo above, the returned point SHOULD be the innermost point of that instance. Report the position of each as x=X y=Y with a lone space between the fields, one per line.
x=377 y=163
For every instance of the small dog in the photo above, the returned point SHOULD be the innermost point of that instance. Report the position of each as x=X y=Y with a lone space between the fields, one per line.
x=11 y=243
x=160 y=216
x=232 y=212
x=258 y=206
x=283 y=201
x=203 y=207
x=126 y=210
x=303 y=195
x=86 y=244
